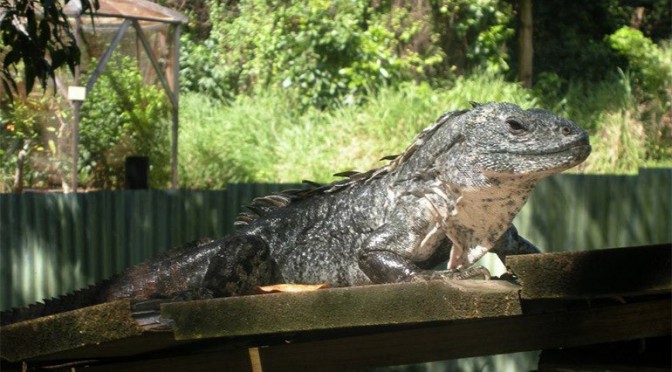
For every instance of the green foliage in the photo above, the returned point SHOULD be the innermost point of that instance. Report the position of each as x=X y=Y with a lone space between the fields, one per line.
x=265 y=139
x=122 y=116
x=201 y=70
x=580 y=100
x=40 y=40
x=323 y=53
x=228 y=143
x=319 y=51
x=569 y=38
x=619 y=144
x=285 y=90
x=474 y=33
x=649 y=81
x=645 y=59
x=28 y=139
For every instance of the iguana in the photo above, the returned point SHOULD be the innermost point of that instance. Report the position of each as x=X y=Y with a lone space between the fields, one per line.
x=451 y=196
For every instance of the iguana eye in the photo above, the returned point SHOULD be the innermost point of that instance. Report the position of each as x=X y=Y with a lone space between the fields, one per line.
x=516 y=127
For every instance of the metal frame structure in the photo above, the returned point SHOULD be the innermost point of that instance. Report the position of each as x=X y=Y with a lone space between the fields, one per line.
x=132 y=12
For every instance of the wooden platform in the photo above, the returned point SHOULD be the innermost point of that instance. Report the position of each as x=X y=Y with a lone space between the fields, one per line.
x=560 y=300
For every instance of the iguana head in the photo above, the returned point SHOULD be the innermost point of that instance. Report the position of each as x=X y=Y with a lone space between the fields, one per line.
x=501 y=139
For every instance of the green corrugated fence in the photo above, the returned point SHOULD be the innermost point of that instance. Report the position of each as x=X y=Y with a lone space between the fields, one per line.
x=52 y=243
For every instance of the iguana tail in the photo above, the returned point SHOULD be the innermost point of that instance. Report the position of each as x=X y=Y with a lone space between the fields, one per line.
x=133 y=282
x=92 y=295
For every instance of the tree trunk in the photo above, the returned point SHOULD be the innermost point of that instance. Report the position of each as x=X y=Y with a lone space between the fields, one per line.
x=526 y=49
x=18 y=175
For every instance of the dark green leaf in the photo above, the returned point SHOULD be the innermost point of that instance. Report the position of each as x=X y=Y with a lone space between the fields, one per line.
x=45 y=33
x=30 y=75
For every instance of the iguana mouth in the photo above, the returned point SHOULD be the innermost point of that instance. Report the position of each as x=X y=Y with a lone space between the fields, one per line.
x=575 y=146
x=559 y=150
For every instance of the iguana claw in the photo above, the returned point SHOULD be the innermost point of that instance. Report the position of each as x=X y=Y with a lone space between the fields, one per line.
x=473 y=272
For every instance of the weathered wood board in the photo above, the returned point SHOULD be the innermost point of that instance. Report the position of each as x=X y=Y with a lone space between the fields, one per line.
x=428 y=342
x=366 y=306
x=593 y=274
x=61 y=332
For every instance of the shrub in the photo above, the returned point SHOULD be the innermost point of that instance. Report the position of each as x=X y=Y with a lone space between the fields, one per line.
x=651 y=74
x=201 y=70
x=474 y=33
x=123 y=116
x=569 y=38
x=29 y=134
x=326 y=53
x=321 y=51
x=646 y=60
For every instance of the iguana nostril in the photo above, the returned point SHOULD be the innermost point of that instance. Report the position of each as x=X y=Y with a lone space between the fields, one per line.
x=566 y=131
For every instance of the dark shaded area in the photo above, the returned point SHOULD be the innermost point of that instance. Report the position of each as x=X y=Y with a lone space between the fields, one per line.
x=650 y=354
x=569 y=36
x=137 y=172
x=598 y=273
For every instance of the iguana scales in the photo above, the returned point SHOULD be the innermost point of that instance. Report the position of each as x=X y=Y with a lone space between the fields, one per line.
x=451 y=196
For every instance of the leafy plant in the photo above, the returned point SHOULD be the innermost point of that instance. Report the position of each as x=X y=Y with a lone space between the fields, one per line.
x=650 y=70
x=40 y=43
x=321 y=53
x=30 y=153
x=123 y=116
x=645 y=59
x=474 y=33
x=201 y=70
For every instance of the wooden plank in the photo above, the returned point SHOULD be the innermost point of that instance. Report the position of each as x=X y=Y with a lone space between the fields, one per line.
x=365 y=306
x=599 y=273
x=120 y=349
x=474 y=338
x=397 y=345
x=65 y=331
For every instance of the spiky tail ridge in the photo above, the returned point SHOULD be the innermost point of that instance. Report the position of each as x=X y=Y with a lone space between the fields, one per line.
x=91 y=295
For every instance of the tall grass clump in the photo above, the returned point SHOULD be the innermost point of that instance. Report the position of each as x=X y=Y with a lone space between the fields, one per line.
x=222 y=143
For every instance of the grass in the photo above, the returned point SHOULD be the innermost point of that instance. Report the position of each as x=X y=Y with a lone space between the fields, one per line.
x=264 y=139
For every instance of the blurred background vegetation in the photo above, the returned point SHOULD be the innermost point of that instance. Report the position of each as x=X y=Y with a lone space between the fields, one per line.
x=280 y=91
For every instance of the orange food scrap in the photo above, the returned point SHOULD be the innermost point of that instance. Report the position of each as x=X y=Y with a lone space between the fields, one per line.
x=290 y=288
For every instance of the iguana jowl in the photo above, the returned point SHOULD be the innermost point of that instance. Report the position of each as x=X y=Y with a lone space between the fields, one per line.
x=450 y=196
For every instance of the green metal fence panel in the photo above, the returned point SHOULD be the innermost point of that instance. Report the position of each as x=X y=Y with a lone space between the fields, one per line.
x=580 y=212
x=53 y=243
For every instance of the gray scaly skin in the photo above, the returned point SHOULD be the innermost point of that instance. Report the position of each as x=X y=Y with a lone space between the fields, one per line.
x=450 y=196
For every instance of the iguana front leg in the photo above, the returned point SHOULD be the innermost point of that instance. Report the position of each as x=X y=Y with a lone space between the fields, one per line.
x=511 y=244
x=382 y=263
x=389 y=267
